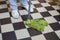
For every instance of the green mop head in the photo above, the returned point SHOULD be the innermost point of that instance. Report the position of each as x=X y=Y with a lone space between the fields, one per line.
x=38 y=24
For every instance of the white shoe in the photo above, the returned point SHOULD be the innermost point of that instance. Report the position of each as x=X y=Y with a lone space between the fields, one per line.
x=27 y=8
x=31 y=9
x=15 y=13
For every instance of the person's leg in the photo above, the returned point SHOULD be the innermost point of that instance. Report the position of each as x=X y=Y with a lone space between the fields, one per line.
x=12 y=4
x=14 y=8
x=25 y=4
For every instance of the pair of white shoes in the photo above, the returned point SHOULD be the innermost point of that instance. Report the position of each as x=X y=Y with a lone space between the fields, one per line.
x=16 y=15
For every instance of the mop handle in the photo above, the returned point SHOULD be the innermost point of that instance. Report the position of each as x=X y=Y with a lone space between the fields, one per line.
x=29 y=9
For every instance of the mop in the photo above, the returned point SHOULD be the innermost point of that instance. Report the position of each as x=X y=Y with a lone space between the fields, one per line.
x=37 y=24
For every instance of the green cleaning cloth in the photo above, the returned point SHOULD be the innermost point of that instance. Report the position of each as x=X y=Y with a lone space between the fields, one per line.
x=38 y=24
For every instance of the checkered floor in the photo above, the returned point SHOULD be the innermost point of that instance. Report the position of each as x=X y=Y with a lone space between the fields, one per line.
x=15 y=29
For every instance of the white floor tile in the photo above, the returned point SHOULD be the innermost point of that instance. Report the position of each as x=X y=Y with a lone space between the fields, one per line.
x=47 y=29
x=32 y=6
x=16 y=20
x=35 y=2
x=41 y=9
x=59 y=22
x=45 y=4
x=23 y=12
x=50 y=19
x=56 y=7
x=38 y=37
x=3 y=6
x=0 y=36
x=36 y=15
x=26 y=26
x=4 y=15
x=54 y=13
x=2 y=0
x=23 y=33
x=7 y=28
x=58 y=33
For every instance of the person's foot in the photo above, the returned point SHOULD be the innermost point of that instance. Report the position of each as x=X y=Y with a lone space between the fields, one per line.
x=27 y=8
x=15 y=14
x=31 y=10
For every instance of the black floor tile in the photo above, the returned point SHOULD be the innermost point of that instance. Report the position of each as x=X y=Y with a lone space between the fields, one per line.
x=2 y=2
x=5 y=21
x=52 y=3
x=9 y=36
x=35 y=11
x=21 y=8
x=45 y=14
x=51 y=36
x=42 y=1
x=37 y=5
x=58 y=10
x=25 y=17
x=26 y=39
x=57 y=17
x=4 y=10
x=0 y=29
x=33 y=32
x=55 y=26
x=19 y=25
x=49 y=8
